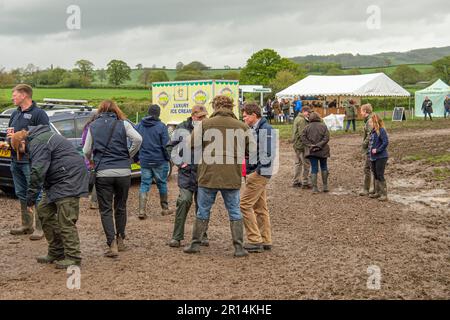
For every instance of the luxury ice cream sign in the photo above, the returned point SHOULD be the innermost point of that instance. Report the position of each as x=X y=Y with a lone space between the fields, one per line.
x=177 y=98
x=200 y=97
x=163 y=99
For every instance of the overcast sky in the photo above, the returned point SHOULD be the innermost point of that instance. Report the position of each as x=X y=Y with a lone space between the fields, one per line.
x=215 y=32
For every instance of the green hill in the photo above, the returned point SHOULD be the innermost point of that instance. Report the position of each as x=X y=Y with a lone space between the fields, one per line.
x=348 y=60
x=171 y=73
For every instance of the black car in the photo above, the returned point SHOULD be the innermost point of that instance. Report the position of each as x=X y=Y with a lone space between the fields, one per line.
x=65 y=119
x=67 y=122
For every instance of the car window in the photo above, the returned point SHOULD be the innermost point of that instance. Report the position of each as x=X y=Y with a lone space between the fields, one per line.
x=4 y=121
x=66 y=128
x=80 y=123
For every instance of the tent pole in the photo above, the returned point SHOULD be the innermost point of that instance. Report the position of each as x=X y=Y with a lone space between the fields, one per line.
x=409 y=108
x=385 y=107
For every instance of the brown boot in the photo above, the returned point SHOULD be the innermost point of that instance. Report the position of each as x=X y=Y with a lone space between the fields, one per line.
x=27 y=221
x=165 y=205
x=38 y=234
x=120 y=244
x=112 y=251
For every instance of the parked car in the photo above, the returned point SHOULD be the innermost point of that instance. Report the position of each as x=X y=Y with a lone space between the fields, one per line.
x=67 y=120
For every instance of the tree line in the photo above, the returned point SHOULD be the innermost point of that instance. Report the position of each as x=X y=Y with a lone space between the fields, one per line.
x=265 y=67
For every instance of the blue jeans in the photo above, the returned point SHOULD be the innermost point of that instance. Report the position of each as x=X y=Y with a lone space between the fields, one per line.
x=206 y=198
x=21 y=177
x=159 y=174
x=315 y=164
x=446 y=112
x=353 y=122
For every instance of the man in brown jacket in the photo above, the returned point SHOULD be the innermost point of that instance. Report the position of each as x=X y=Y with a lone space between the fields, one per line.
x=220 y=144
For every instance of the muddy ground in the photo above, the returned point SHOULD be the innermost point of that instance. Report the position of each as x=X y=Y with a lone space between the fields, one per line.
x=323 y=244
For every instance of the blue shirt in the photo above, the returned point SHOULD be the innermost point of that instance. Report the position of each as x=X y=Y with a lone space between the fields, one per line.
x=298 y=106
x=20 y=120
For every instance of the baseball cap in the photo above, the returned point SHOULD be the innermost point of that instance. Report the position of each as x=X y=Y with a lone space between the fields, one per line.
x=199 y=111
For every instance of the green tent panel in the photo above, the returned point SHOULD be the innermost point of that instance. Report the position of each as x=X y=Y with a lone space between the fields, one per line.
x=436 y=93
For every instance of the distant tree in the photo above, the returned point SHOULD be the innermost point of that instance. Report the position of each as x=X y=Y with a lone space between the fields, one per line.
x=102 y=76
x=227 y=67
x=404 y=74
x=232 y=75
x=86 y=69
x=118 y=72
x=263 y=66
x=190 y=75
x=353 y=71
x=179 y=65
x=17 y=74
x=283 y=79
x=158 y=76
x=195 y=65
x=154 y=66
x=144 y=77
x=442 y=67
x=335 y=72
x=30 y=69
x=429 y=75
x=139 y=66
x=6 y=78
x=74 y=80
x=148 y=76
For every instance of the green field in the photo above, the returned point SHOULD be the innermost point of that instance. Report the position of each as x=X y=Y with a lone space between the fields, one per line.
x=171 y=73
x=391 y=69
x=83 y=94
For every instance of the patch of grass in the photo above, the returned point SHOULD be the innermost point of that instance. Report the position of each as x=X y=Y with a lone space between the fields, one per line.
x=432 y=159
x=391 y=126
x=441 y=173
x=83 y=94
x=439 y=159
x=415 y=157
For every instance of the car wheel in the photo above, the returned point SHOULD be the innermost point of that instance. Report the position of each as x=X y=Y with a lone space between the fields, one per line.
x=9 y=191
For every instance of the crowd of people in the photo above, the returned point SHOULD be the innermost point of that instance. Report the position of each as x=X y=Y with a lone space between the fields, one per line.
x=310 y=139
x=51 y=176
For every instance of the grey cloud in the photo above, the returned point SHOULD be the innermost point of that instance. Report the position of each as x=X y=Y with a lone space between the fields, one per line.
x=217 y=32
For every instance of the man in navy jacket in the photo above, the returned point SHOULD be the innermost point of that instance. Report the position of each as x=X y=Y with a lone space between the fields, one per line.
x=154 y=159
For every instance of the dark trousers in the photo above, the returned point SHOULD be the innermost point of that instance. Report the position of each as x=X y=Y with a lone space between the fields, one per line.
x=59 y=220
x=315 y=164
x=353 y=122
x=429 y=114
x=184 y=203
x=378 y=167
x=113 y=191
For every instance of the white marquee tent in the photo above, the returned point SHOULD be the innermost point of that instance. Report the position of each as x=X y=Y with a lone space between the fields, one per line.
x=365 y=85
